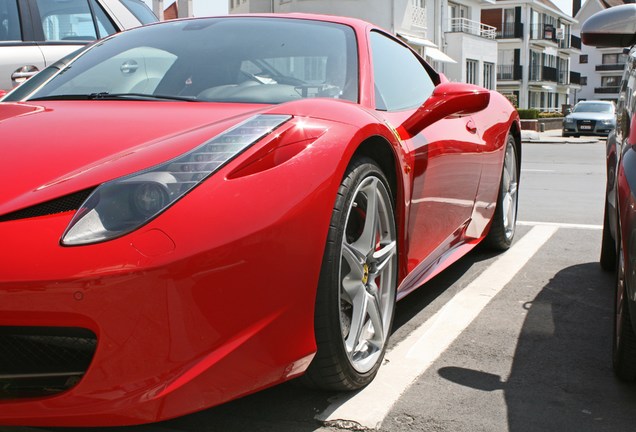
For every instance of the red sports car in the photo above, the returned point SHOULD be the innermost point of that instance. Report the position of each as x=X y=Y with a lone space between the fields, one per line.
x=198 y=209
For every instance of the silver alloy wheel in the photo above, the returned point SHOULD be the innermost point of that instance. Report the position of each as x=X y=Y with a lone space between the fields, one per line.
x=367 y=274
x=510 y=184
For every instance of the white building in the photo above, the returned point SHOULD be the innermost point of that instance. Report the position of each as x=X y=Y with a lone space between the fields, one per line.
x=601 y=69
x=447 y=33
x=535 y=49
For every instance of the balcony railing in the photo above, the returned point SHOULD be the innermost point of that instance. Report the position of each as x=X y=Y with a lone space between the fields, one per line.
x=606 y=90
x=511 y=31
x=464 y=25
x=508 y=72
x=610 y=67
x=575 y=78
x=575 y=42
x=543 y=73
x=417 y=16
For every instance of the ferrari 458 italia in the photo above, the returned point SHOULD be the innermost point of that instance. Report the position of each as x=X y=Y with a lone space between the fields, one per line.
x=198 y=209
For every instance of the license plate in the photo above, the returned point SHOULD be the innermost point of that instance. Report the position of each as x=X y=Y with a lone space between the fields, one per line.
x=586 y=127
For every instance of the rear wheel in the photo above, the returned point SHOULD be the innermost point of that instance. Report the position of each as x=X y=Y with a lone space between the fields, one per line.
x=624 y=346
x=355 y=301
x=502 y=229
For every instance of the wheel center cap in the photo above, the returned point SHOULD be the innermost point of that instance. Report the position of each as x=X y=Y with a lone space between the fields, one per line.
x=365 y=274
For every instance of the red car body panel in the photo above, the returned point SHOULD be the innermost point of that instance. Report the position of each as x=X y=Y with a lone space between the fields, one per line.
x=200 y=307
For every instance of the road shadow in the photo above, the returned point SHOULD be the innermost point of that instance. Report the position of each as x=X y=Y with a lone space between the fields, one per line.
x=561 y=378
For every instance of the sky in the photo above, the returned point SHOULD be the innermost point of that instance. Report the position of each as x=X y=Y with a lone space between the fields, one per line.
x=201 y=7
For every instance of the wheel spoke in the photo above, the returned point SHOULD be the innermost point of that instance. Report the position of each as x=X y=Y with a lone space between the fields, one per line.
x=358 y=318
x=375 y=315
x=354 y=258
x=367 y=239
x=383 y=257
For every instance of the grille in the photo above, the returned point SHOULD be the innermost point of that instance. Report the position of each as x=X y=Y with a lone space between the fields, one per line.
x=586 y=125
x=41 y=361
x=59 y=205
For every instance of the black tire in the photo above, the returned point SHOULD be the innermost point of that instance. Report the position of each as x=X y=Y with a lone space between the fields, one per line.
x=624 y=343
x=335 y=367
x=503 y=226
x=608 y=245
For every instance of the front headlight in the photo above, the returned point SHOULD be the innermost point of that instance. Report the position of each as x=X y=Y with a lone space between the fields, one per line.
x=568 y=120
x=120 y=206
x=607 y=122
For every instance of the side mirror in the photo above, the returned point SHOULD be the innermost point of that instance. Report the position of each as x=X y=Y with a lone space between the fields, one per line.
x=612 y=27
x=447 y=99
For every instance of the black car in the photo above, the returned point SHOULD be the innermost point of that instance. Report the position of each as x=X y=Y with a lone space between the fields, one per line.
x=616 y=27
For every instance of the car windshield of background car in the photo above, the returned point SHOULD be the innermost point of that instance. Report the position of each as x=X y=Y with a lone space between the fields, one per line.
x=249 y=60
x=593 y=108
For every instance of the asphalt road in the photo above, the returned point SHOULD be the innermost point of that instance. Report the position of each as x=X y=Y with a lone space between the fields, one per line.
x=536 y=357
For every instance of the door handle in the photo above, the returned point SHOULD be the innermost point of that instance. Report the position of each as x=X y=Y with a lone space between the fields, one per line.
x=22 y=74
x=470 y=126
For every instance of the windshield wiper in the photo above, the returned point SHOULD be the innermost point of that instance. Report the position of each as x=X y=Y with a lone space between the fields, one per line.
x=116 y=96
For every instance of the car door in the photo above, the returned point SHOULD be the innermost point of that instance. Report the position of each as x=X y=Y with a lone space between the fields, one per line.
x=18 y=56
x=63 y=26
x=447 y=167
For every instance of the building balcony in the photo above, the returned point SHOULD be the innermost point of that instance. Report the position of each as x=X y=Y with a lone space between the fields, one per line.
x=511 y=31
x=414 y=18
x=509 y=72
x=575 y=78
x=543 y=74
x=464 y=25
x=607 y=90
x=610 y=67
x=572 y=44
x=563 y=77
x=543 y=35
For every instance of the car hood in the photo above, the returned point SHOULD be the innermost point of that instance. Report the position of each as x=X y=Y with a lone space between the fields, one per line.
x=55 y=148
x=590 y=116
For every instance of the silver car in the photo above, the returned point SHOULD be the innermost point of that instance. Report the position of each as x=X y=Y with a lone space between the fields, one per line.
x=36 y=33
x=590 y=118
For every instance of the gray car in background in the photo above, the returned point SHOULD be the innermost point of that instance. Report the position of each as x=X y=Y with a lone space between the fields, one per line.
x=37 y=33
x=590 y=118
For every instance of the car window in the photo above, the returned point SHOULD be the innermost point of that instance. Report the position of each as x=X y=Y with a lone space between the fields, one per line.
x=252 y=60
x=593 y=108
x=140 y=10
x=72 y=20
x=9 y=21
x=401 y=81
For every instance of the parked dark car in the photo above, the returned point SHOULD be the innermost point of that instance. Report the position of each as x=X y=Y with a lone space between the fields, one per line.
x=616 y=27
x=590 y=118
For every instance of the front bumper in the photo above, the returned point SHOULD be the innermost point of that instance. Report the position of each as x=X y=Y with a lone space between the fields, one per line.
x=194 y=309
x=587 y=127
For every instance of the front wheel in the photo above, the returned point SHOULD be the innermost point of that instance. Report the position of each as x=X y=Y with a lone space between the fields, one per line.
x=504 y=222
x=608 y=246
x=355 y=301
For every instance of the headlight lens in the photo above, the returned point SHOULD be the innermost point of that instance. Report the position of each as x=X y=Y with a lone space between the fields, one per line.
x=608 y=122
x=569 y=120
x=120 y=206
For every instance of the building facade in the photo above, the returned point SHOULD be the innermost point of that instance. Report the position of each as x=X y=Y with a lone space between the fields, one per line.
x=601 y=69
x=535 y=52
x=447 y=33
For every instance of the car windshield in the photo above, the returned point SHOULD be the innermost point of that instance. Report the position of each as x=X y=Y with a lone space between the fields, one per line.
x=593 y=108
x=249 y=60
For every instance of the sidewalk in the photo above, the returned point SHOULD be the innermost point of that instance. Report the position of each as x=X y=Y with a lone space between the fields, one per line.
x=554 y=137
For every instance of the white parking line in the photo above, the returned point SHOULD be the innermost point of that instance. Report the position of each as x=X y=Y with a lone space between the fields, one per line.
x=412 y=356
x=561 y=225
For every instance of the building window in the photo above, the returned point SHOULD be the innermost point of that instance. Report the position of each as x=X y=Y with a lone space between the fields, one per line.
x=583 y=58
x=583 y=80
x=489 y=76
x=610 y=81
x=614 y=59
x=471 y=71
